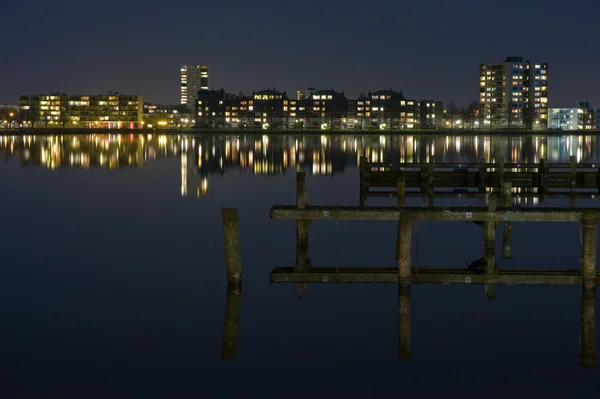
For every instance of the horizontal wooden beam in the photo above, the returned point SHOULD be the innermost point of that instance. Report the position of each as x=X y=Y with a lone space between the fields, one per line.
x=476 y=194
x=456 y=214
x=476 y=165
x=427 y=276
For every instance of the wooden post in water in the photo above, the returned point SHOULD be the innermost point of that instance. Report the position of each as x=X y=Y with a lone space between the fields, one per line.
x=231 y=329
x=430 y=184
x=233 y=253
x=362 y=171
x=573 y=174
x=302 y=260
x=589 y=227
x=489 y=248
x=543 y=171
x=404 y=249
x=573 y=179
x=401 y=192
x=404 y=346
x=482 y=170
x=501 y=170
x=587 y=340
x=506 y=236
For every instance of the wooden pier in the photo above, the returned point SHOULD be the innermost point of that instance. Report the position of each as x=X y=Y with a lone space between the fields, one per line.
x=543 y=180
x=405 y=274
x=498 y=209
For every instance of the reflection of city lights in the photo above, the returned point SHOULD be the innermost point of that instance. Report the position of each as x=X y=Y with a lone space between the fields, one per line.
x=311 y=152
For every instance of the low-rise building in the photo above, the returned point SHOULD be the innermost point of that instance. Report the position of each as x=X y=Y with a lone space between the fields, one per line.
x=431 y=114
x=166 y=116
x=112 y=111
x=582 y=117
x=321 y=109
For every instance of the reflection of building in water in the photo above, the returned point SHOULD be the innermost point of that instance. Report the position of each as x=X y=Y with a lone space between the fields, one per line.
x=201 y=156
x=192 y=183
x=84 y=151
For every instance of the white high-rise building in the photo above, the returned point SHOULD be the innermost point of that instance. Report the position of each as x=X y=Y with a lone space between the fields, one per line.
x=193 y=79
x=514 y=94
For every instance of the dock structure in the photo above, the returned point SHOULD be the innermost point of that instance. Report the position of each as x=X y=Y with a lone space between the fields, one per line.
x=405 y=274
x=543 y=179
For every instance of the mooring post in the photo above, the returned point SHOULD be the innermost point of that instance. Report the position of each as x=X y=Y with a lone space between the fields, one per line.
x=401 y=193
x=231 y=329
x=362 y=172
x=489 y=248
x=404 y=248
x=573 y=178
x=482 y=177
x=501 y=169
x=587 y=344
x=302 y=260
x=404 y=347
x=233 y=253
x=430 y=183
x=573 y=163
x=506 y=236
x=589 y=227
x=543 y=179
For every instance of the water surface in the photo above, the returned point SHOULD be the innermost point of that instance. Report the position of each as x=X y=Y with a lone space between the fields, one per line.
x=113 y=278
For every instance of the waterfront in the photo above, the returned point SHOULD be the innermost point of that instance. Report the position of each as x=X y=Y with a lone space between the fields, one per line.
x=114 y=279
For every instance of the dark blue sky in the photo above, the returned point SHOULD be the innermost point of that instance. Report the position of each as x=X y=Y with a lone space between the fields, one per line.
x=428 y=49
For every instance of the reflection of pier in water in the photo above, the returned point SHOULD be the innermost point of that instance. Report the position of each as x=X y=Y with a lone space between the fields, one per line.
x=535 y=181
x=303 y=272
x=406 y=274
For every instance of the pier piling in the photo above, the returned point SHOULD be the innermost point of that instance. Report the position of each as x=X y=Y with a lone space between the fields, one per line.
x=233 y=253
x=489 y=248
x=401 y=192
x=404 y=346
x=589 y=227
x=232 y=321
x=506 y=236
x=587 y=345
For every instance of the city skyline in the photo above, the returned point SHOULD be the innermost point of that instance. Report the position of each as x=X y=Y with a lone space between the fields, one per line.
x=439 y=62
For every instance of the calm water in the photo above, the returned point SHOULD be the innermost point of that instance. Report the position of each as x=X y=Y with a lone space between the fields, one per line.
x=113 y=279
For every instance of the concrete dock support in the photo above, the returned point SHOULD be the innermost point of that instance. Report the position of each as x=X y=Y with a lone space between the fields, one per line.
x=233 y=253
x=587 y=345
x=589 y=229
x=232 y=321
x=506 y=235
x=404 y=346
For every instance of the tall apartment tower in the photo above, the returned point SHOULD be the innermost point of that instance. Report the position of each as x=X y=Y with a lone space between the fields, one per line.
x=193 y=79
x=513 y=94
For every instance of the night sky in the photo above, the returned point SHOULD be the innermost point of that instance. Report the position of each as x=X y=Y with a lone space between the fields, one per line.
x=427 y=49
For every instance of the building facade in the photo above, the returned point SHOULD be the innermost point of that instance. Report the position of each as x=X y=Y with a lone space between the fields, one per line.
x=582 y=117
x=323 y=109
x=194 y=78
x=112 y=111
x=513 y=94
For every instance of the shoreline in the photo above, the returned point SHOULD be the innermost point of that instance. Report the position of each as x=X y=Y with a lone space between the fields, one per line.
x=248 y=132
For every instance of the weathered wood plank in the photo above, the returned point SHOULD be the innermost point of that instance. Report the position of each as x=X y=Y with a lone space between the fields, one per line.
x=475 y=194
x=489 y=165
x=428 y=276
x=457 y=214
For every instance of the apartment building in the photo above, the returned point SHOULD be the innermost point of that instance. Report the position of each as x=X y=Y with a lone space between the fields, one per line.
x=513 y=94
x=194 y=78
x=112 y=110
